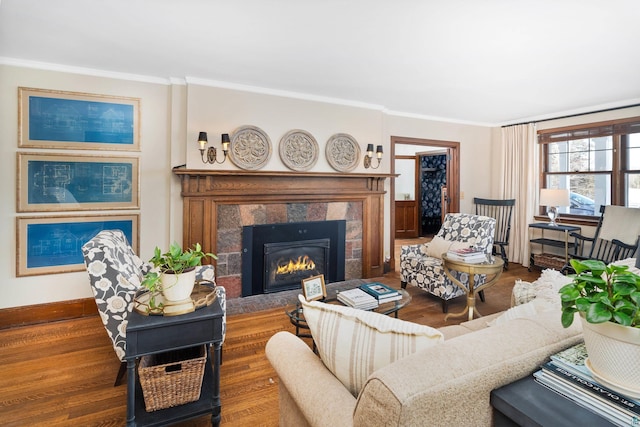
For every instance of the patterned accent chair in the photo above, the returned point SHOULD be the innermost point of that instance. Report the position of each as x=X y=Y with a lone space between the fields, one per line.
x=115 y=274
x=421 y=268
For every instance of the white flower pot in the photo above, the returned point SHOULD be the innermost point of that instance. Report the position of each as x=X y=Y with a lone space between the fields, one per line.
x=614 y=355
x=178 y=287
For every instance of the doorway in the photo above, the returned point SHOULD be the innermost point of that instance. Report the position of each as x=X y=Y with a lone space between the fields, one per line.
x=417 y=159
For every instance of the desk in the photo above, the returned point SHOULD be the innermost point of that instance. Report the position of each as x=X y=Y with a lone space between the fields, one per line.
x=492 y=268
x=157 y=334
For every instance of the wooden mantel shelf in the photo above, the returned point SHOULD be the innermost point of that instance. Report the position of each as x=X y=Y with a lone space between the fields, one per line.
x=181 y=170
x=205 y=182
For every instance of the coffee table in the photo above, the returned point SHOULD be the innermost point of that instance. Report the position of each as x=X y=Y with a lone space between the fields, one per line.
x=492 y=268
x=296 y=315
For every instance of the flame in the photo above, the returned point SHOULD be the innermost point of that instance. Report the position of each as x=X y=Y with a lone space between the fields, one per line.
x=303 y=263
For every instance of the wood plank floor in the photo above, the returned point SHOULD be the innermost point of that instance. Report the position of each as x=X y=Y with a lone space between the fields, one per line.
x=62 y=373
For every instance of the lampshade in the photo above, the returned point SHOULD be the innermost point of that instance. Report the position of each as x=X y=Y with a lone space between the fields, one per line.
x=553 y=197
x=379 y=149
x=225 y=138
x=202 y=137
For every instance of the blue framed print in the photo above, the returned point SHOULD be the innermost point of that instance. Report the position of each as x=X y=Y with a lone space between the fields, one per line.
x=59 y=182
x=58 y=119
x=48 y=245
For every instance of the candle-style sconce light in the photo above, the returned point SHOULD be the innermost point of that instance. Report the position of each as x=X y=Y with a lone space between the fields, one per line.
x=212 y=153
x=368 y=157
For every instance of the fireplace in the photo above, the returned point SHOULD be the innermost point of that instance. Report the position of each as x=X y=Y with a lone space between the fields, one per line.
x=219 y=203
x=276 y=257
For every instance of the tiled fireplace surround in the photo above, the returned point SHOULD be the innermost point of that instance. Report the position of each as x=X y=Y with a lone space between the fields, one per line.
x=218 y=204
x=231 y=219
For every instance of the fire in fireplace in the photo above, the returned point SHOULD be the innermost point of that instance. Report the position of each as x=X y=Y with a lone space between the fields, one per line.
x=287 y=263
x=276 y=257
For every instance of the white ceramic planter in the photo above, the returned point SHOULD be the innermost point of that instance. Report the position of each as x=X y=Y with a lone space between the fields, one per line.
x=614 y=355
x=178 y=287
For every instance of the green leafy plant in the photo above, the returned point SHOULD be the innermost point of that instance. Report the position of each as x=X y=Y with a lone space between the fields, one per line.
x=602 y=293
x=174 y=261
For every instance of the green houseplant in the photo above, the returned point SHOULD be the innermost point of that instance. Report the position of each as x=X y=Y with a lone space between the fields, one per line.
x=607 y=298
x=174 y=273
x=602 y=293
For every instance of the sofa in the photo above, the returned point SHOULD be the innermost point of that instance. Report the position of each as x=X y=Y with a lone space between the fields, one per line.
x=446 y=384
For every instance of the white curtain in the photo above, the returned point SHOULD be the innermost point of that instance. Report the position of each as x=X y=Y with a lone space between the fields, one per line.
x=520 y=180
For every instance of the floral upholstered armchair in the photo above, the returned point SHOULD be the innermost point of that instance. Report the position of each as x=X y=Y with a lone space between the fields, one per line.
x=421 y=265
x=115 y=274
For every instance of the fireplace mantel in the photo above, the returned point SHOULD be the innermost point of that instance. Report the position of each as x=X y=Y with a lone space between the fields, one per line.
x=226 y=183
x=205 y=191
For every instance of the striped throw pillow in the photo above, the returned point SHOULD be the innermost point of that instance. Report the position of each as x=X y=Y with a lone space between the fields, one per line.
x=354 y=343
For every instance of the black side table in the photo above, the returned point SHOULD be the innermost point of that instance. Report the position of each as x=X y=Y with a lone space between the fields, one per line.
x=527 y=403
x=557 y=243
x=157 y=334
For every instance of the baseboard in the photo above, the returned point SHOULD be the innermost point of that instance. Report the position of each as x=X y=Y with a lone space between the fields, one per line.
x=50 y=312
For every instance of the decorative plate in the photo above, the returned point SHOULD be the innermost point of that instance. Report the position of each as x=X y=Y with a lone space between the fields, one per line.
x=343 y=152
x=250 y=148
x=298 y=150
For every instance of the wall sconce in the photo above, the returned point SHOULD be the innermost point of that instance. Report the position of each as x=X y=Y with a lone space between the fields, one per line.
x=212 y=154
x=369 y=156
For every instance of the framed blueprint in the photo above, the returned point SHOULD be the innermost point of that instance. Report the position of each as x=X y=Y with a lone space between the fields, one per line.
x=59 y=182
x=57 y=119
x=53 y=244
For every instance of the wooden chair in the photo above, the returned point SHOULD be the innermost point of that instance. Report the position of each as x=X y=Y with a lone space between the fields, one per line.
x=610 y=242
x=501 y=210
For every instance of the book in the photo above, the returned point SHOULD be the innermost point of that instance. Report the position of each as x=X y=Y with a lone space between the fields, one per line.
x=587 y=385
x=573 y=359
x=586 y=400
x=476 y=259
x=464 y=252
x=568 y=375
x=469 y=255
x=381 y=292
x=358 y=298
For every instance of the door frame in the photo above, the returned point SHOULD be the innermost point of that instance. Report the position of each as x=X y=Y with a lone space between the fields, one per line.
x=453 y=179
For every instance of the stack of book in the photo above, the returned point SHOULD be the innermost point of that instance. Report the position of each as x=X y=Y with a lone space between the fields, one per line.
x=381 y=292
x=567 y=375
x=357 y=298
x=469 y=255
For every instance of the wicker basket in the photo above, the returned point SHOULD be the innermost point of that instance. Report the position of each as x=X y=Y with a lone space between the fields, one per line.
x=549 y=261
x=172 y=378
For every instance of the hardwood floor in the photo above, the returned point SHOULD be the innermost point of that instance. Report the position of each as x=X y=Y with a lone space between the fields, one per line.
x=62 y=373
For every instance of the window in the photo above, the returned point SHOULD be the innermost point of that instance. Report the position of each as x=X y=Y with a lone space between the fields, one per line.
x=598 y=163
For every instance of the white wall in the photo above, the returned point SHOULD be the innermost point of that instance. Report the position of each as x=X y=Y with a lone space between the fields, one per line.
x=218 y=110
x=154 y=167
x=475 y=151
x=171 y=117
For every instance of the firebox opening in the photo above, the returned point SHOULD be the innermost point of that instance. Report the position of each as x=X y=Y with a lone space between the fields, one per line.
x=277 y=257
x=286 y=264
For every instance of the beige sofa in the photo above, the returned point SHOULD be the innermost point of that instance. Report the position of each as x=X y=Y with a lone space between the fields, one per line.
x=445 y=385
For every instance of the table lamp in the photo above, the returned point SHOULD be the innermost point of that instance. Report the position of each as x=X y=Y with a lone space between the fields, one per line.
x=552 y=198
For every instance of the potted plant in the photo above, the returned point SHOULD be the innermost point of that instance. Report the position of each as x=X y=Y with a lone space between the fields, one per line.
x=607 y=298
x=175 y=272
